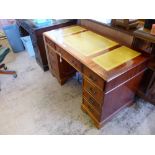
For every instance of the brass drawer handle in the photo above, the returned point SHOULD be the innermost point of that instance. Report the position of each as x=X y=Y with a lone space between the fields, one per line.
x=91 y=91
x=92 y=78
x=91 y=109
x=91 y=101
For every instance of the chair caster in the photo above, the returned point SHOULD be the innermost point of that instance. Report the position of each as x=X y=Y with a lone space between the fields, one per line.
x=5 y=68
x=15 y=75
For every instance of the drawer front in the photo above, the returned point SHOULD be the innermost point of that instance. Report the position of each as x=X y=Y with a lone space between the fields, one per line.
x=92 y=101
x=97 y=94
x=50 y=43
x=53 y=62
x=59 y=50
x=94 y=78
x=91 y=110
x=53 y=55
x=71 y=60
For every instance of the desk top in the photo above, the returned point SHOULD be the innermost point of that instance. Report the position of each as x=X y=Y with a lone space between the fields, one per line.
x=105 y=57
x=116 y=57
x=88 y=43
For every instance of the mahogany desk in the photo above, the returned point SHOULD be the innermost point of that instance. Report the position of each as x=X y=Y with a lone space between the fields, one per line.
x=111 y=72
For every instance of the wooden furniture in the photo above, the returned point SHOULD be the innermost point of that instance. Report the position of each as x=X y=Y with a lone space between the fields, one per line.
x=145 y=42
x=111 y=72
x=35 y=30
x=126 y=23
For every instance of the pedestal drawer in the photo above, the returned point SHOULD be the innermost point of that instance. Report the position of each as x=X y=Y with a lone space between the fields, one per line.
x=53 y=62
x=97 y=94
x=91 y=110
x=48 y=41
x=51 y=51
x=94 y=78
x=92 y=101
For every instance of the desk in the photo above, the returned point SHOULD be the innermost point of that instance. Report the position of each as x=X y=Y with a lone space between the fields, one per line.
x=35 y=30
x=107 y=87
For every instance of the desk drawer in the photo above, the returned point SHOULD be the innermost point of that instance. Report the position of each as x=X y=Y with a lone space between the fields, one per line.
x=91 y=110
x=71 y=60
x=52 y=60
x=94 y=78
x=59 y=49
x=92 y=101
x=97 y=94
x=50 y=43
x=51 y=51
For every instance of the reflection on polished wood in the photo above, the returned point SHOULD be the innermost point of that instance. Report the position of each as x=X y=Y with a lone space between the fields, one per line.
x=70 y=30
x=101 y=87
x=67 y=31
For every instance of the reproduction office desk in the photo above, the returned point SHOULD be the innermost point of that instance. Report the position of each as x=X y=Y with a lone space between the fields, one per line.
x=111 y=72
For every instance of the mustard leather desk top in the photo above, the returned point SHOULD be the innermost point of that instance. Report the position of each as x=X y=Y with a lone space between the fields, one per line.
x=98 y=53
x=88 y=42
x=115 y=57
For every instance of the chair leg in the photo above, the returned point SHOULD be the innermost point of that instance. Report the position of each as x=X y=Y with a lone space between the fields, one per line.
x=8 y=72
x=2 y=65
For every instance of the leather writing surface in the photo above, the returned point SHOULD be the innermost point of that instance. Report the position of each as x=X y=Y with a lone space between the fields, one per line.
x=116 y=57
x=88 y=42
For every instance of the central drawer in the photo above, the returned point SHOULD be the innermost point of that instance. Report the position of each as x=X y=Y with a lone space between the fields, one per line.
x=70 y=59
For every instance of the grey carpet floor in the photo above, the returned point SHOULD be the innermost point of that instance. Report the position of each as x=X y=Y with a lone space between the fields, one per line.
x=35 y=103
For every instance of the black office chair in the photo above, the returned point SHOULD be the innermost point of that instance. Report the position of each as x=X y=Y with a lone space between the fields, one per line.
x=3 y=68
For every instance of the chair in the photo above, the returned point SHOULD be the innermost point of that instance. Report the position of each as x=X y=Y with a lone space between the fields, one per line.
x=3 y=68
